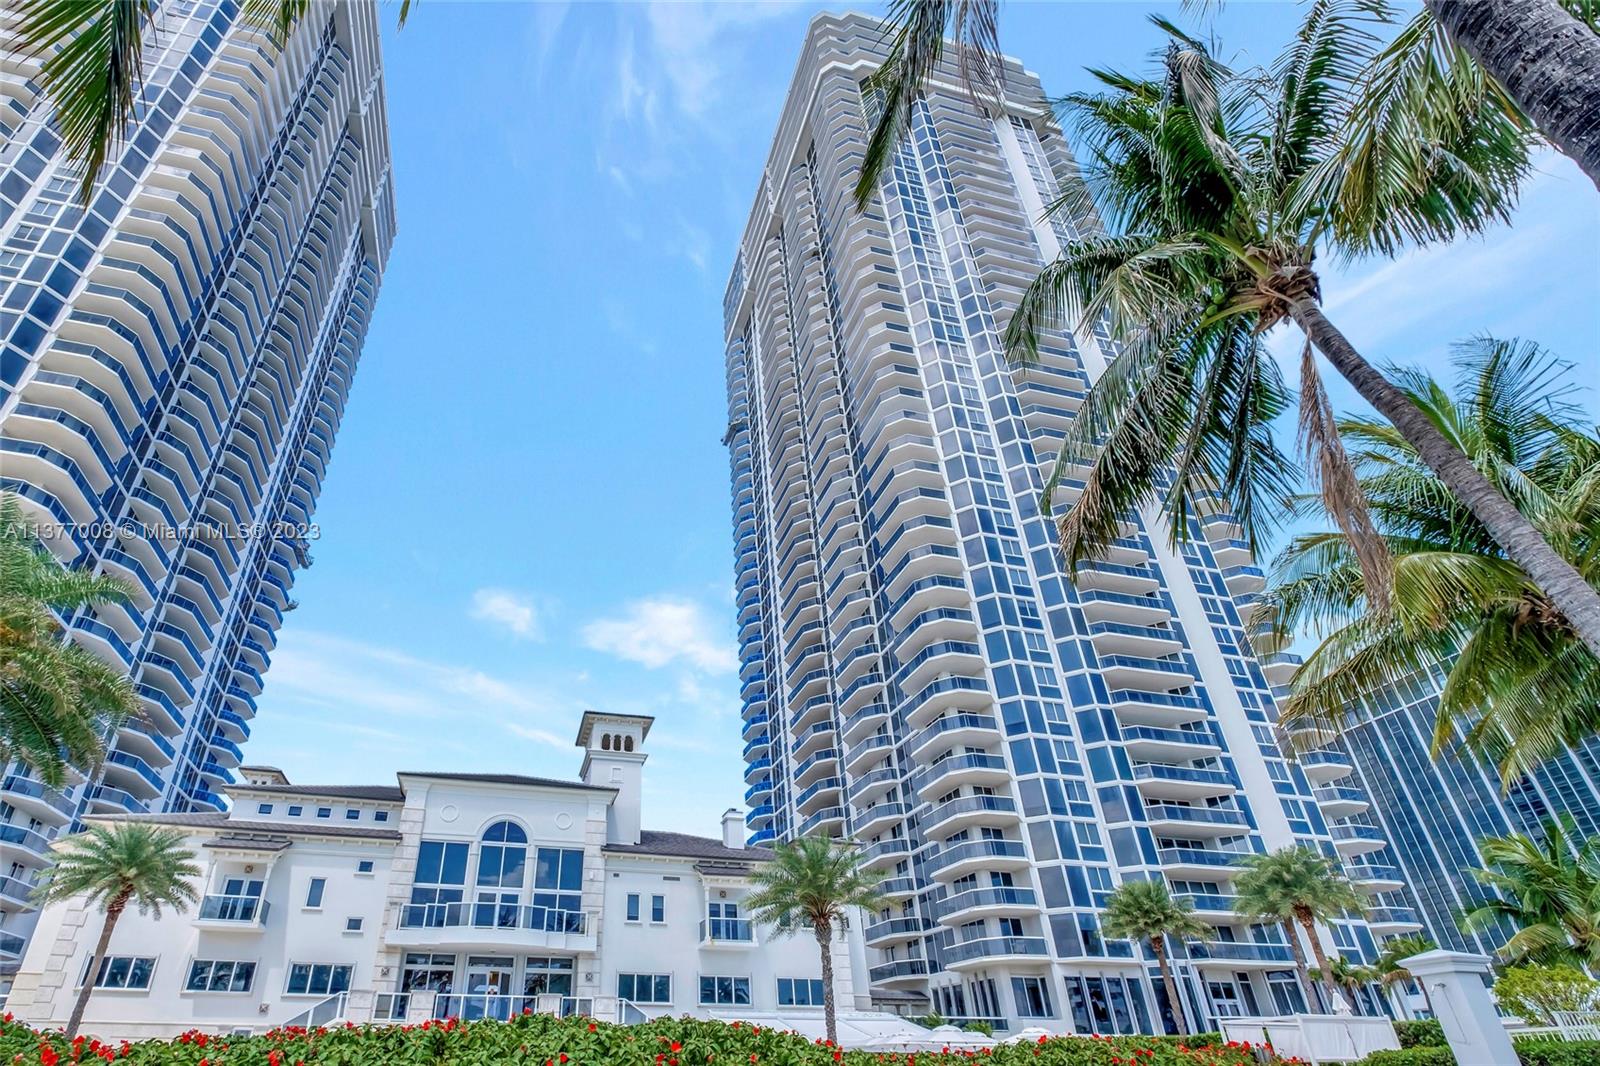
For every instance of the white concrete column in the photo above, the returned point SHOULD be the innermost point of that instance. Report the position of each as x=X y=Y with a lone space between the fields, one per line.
x=1463 y=1005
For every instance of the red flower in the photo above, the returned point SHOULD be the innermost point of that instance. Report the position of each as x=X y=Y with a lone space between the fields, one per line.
x=752 y=1058
x=676 y=1046
x=563 y=1056
x=48 y=1056
x=593 y=1027
x=838 y=1056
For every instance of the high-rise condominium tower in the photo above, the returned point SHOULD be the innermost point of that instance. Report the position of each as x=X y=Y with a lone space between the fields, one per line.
x=174 y=362
x=918 y=672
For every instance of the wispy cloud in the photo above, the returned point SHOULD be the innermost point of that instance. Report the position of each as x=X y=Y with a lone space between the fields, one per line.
x=660 y=631
x=514 y=612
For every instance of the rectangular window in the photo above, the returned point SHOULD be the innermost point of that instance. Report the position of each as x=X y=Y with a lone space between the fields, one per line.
x=122 y=971
x=263 y=808
x=658 y=908
x=317 y=979
x=352 y=815
x=558 y=880
x=655 y=988
x=436 y=895
x=352 y=925
x=212 y=975
x=364 y=866
x=633 y=906
x=324 y=812
x=295 y=810
x=315 y=890
x=380 y=816
x=725 y=991
x=1033 y=997
x=799 y=992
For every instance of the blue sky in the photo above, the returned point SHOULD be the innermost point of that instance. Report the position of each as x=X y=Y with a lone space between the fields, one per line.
x=527 y=510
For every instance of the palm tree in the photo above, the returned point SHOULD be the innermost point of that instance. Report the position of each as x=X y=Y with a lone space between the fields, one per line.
x=1146 y=910
x=1349 y=976
x=1548 y=890
x=126 y=862
x=56 y=698
x=1519 y=686
x=1300 y=885
x=813 y=881
x=1390 y=968
x=1219 y=189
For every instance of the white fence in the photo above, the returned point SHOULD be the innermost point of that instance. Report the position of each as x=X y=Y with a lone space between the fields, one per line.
x=1315 y=1038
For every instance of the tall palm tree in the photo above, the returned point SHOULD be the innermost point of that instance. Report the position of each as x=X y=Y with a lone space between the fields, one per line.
x=1145 y=910
x=115 y=865
x=1519 y=686
x=1300 y=885
x=56 y=698
x=813 y=881
x=1547 y=889
x=1219 y=189
x=1390 y=970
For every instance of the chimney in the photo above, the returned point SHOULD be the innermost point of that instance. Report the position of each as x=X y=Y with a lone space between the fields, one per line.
x=732 y=828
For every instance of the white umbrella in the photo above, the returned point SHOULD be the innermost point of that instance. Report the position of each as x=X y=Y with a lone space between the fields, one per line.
x=937 y=1039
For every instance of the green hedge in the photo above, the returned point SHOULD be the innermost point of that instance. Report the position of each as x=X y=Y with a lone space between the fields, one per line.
x=544 y=1040
x=1531 y=1051
x=1423 y=1032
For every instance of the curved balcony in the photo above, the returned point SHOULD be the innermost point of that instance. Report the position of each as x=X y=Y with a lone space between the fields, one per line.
x=813 y=739
x=492 y=927
x=37 y=800
x=868 y=787
x=754 y=724
x=1159 y=781
x=966 y=811
x=898 y=888
x=1325 y=765
x=1340 y=801
x=132 y=773
x=759 y=817
x=1164 y=710
x=1148 y=743
x=868 y=752
x=1376 y=879
x=996 y=901
x=942 y=695
x=26 y=839
x=1146 y=674
x=1279 y=667
x=760 y=744
x=895 y=931
x=1199 y=863
x=1391 y=921
x=1244 y=578
x=899 y=972
x=1211 y=906
x=1105 y=576
x=1175 y=820
x=969 y=768
x=1100 y=605
x=885 y=854
x=869 y=821
x=819 y=793
x=1356 y=839
x=757 y=769
x=970 y=856
x=954 y=731
x=17 y=892
x=823 y=763
x=106 y=799
x=829 y=819
x=1232 y=954
x=759 y=791
x=997 y=949
x=1120 y=638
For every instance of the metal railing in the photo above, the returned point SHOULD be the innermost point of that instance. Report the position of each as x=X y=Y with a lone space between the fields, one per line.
x=492 y=916
x=224 y=908
x=471 y=1007
x=737 y=930
x=329 y=1010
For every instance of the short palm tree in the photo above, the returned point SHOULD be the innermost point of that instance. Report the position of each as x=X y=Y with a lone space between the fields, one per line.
x=1519 y=686
x=1548 y=890
x=113 y=866
x=1219 y=189
x=1145 y=910
x=1349 y=976
x=813 y=881
x=56 y=698
x=1297 y=885
x=1390 y=968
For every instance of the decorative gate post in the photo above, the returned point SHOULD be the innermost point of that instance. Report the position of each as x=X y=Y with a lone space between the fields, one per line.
x=1461 y=1002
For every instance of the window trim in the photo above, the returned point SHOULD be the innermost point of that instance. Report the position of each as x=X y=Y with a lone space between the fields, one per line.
x=632 y=908
x=333 y=967
x=185 y=990
x=658 y=905
x=106 y=963
x=651 y=977
x=319 y=885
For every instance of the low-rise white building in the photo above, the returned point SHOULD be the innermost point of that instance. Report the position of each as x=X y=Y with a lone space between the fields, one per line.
x=445 y=894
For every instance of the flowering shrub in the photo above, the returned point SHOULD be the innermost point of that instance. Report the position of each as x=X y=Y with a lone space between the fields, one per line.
x=544 y=1040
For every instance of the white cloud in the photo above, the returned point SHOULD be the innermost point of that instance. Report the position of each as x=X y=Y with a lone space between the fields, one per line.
x=658 y=631
x=691 y=47
x=539 y=736
x=512 y=611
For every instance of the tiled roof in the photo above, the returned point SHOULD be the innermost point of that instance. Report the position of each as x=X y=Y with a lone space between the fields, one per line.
x=685 y=845
x=219 y=820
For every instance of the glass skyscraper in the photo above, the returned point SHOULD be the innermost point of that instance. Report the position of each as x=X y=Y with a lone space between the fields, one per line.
x=174 y=363
x=918 y=673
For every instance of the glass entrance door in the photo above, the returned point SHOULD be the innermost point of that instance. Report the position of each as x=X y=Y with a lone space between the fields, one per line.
x=488 y=991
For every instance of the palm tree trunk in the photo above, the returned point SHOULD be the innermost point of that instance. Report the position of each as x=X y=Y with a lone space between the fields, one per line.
x=824 y=931
x=113 y=912
x=1547 y=60
x=1301 y=969
x=1575 y=598
x=1158 y=946
x=1309 y=924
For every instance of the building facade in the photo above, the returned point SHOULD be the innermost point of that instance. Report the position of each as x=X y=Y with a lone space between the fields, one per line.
x=465 y=895
x=174 y=362
x=1007 y=741
x=1433 y=812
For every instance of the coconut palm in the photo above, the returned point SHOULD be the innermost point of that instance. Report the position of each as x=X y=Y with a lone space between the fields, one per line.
x=1390 y=969
x=1297 y=885
x=56 y=698
x=1519 y=686
x=1548 y=890
x=1145 y=910
x=1219 y=189
x=814 y=881
x=113 y=866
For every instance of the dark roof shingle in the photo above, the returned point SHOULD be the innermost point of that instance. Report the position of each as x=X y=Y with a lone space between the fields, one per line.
x=508 y=779
x=383 y=793
x=219 y=820
x=688 y=846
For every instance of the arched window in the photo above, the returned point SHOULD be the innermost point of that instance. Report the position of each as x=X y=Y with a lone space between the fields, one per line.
x=505 y=833
x=627 y=743
x=605 y=742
